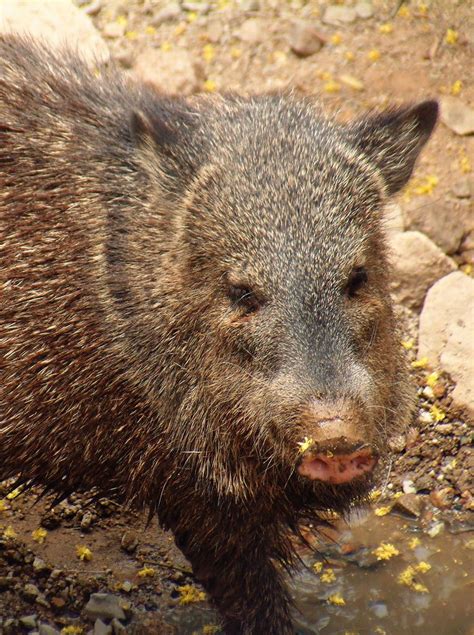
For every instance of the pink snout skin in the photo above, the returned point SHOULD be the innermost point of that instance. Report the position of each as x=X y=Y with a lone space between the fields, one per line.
x=337 y=468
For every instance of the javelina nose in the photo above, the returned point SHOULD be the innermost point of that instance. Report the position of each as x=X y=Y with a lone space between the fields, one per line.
x=336 y=462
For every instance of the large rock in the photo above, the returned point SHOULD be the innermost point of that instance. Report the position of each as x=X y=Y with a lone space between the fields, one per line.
x=446 y=335
x=417 y=264
x=57 y=22
x=304 y=39
x=171 y=72
x=104 y=606
x=457 y=115
x=439 y=220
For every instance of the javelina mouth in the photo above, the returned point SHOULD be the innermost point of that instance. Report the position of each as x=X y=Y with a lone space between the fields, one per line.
x=338 y=466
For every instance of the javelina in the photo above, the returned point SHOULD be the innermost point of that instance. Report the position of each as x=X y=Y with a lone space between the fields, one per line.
x=194 y=311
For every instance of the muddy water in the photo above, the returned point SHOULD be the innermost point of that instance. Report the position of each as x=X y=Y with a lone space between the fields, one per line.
x=384 y=596
x=435 y=597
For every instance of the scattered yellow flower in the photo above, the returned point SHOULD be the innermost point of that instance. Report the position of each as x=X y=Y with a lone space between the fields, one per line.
x=146 y=572
x=468 y=269
x=451 y=36
x=14 y=493
x=374 y=495
x=336 y=39
x=397 y=495
x=208 y=52
x=210 y=629
x=408 y=344
x=437 y=413
x=279 y=56
x=406 y=576
x=404 y=11
x=414 y=543
x=192 y=16
x=423 y=567
x=421 y=588
x=72 y=630
x=328 y=577
x=3 y=505
x=382 y=511
x=385 y=551
x=235 y=52
x=166 y=46
x=305 y=444
x=432 y=379
x=464 y=163
x=373 y=55
x=318 y=567
x=83 y=553
x=420 y=363
x=131 y=35
x=331 y=87
x=456 y=87
x=422 y=8
x=336 y=599
x=210 y=85
x=349 y=55
x=189 y=594
x=150 y=30
x=386 y=28
x=9 y=532
x=39 y=535
x=222 y=4
x=122 y=20
x=427 y=185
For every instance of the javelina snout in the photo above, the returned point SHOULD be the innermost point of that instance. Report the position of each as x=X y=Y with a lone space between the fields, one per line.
x=338 y=447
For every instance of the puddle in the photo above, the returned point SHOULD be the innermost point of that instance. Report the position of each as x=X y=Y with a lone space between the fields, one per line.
x=432 y=597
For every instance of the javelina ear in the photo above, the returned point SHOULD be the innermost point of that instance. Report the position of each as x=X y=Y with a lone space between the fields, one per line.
x=394 y=139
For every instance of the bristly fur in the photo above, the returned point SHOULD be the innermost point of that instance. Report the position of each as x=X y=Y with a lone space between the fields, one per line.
x=128 y=366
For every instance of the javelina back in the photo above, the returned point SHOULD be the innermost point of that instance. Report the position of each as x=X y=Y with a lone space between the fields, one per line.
x=194 y=311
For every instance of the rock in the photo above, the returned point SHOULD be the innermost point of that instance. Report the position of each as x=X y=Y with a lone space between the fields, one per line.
x=167 y=14
x=100 y=628
x=28 y=621
x=464 y=188
x=336 y=15
x=173 y=72
x=417 y=264
x=408 y=487
x=249 y=5
x=397 y=443
x=129 y=541
x=435 y=529
x=119 y=629
x=445 y=337
x=40 y=566
x=364 y=10
x=126 y=586
x=442 y=498
x=196 y=7
x=45 y=629
x=457 y=116
x=251 y=31
x=5 y=583
x=113 y=30
x=86 y=521
x=393 y=218
x=94 y=7
x=104 y=606
x=438 y=220
x=304 y=39
x=408 y=504
x=30 y=592
x=55 y=22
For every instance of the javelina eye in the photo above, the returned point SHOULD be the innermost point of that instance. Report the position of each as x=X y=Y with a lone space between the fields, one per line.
x=357 y=280
x=244 y=298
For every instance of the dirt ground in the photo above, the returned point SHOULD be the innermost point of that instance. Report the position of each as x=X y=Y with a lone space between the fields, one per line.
x=424 y=50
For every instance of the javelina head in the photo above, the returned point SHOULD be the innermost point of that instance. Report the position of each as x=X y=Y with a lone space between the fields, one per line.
x=280 y=329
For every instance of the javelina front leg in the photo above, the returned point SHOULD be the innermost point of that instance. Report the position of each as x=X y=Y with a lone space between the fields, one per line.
x=238 y=573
